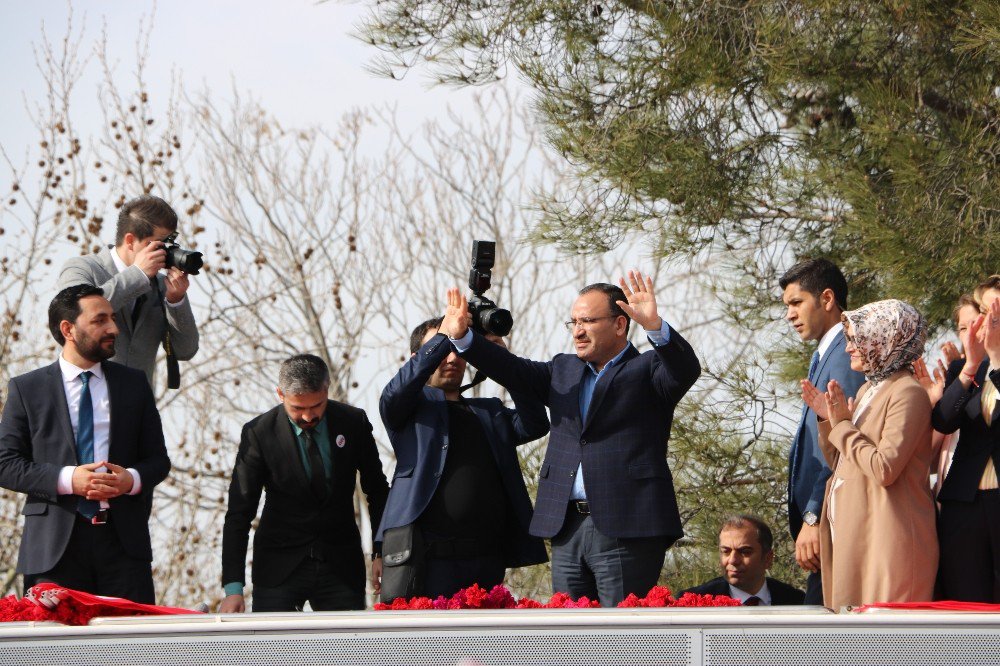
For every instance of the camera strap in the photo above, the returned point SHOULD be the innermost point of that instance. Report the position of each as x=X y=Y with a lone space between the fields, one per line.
x=477 y=378
x=173 y=366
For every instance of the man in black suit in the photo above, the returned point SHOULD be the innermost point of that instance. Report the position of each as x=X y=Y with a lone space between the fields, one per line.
x=605 y=492
x=86 y=517
x=746 y=552
x=306 y=453
x=457 y=474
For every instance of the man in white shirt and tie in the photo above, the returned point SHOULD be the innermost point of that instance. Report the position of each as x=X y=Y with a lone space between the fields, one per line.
x=746 y=552
x=82 y=439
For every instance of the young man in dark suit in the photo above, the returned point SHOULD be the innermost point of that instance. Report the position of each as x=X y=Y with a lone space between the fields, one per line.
x=82 y=439
x=605 y=492
x=457 y=473
x=815 y=295
x=746 y=552
x=306 y=453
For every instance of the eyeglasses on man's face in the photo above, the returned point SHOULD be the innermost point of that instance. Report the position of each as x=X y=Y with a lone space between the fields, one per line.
x=585 y=322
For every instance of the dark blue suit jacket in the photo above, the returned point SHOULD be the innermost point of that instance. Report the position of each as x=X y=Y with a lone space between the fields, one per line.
x=416 y=418
x=807 y=468
x=36 y=442
x=782 y=594
x=622 y=444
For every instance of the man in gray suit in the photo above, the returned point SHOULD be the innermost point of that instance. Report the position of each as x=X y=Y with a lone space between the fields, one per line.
x=151 y=308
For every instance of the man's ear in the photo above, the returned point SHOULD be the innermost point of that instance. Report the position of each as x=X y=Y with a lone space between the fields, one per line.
x=827 y=300
x=281 y=396
x=768 y=559
x=66 y=328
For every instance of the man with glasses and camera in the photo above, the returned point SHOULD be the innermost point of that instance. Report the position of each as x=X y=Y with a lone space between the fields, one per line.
x=605 y=492
x=151 y=307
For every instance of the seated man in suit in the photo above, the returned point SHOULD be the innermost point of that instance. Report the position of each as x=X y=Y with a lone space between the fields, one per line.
x=745 y=554
x=306 y=453
x=82 y=439
x=457 y=473
x=148 y=305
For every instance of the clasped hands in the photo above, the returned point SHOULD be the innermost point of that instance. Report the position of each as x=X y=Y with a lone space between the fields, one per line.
x=94 y=485
x=832 y=406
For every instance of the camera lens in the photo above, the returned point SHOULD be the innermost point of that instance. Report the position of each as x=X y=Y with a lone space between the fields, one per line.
x=497 y=321
x=188 y=261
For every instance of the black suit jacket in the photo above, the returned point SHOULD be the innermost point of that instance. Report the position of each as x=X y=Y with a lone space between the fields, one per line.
x=622 y=443
x=961 y=408
x=294 y=520
x=37 y=441
x=416 y=417
x=782 y=594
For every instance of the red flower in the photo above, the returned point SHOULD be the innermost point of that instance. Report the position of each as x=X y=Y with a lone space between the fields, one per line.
x=528 y=603
x=691 y=600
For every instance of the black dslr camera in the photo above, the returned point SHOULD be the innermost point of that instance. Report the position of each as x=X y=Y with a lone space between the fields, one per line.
x=487 y=318
x=188 y=261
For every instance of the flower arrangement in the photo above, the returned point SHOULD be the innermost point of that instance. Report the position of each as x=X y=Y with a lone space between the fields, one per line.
x=476 y=597
x=47 y=602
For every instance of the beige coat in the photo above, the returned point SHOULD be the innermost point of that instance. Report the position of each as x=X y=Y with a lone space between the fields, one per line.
x=882 y=544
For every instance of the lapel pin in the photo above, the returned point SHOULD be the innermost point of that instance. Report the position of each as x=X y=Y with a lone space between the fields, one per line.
x=341 y=441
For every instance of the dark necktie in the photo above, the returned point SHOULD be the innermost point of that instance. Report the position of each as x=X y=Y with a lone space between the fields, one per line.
x=85 y=441
x=752 y=601
x=813 y=364
x=317 y=471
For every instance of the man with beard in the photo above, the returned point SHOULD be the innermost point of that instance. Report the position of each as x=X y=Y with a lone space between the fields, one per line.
x=82 y=439
x=458 y=481
x=306 y=453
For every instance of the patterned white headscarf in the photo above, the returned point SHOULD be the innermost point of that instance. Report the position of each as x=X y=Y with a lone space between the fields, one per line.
x=889 y=334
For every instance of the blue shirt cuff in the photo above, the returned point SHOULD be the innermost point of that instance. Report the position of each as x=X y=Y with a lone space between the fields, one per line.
x=233 y=588
x=463 y=343
x=660 y=337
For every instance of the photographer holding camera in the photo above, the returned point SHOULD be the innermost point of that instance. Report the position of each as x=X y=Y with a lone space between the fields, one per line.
x=151 y=308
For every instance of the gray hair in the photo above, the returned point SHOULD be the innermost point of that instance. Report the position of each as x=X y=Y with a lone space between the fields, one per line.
x=303 y=373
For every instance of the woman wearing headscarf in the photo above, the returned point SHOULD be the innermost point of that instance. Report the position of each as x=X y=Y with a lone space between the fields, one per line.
x=878 y=541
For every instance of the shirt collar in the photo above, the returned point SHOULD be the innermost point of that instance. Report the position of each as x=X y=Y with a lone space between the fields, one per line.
x=71 y=372
x=763 y=594
x=828 y=337
x=320 y=428
x=611 y=362
x=119 y=263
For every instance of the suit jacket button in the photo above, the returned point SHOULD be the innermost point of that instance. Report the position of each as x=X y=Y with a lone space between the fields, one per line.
x=583 y=442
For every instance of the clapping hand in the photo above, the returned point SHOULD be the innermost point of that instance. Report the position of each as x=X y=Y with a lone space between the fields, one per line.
x=641 y=305
x=934 y=385
x=991 y=333
x=838 y=406
x=951 y=352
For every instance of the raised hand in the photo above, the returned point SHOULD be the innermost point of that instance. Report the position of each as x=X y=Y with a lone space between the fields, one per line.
x=838 y=406
x=972 y=342
x=456 y=317
x=933 y=384
x=991 y=333
x=177 y=284
x=814 y=399
x=641 y=305
x=951 y=352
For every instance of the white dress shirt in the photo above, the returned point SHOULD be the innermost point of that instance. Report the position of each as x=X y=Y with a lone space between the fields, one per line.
x=763 y=594
x=73 y=386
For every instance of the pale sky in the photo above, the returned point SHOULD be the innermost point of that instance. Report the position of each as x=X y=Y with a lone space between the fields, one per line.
x=297 y=57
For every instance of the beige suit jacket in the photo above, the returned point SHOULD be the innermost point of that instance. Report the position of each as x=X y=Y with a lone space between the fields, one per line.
x=882 y=543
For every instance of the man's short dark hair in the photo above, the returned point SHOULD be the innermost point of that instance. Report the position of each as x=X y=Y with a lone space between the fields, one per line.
x=816 y=276
x=614 y=294
x=417 y=336
x=66 y=307
x=764 y=535
x=303 y=373
x=142 y=215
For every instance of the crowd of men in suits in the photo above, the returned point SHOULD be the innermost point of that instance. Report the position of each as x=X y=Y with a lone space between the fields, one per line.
x=82 y=439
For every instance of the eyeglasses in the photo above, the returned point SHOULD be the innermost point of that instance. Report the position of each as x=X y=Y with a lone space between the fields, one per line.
x=585 y=322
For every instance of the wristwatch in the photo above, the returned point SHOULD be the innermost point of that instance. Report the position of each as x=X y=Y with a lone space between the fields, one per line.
x=810 y=518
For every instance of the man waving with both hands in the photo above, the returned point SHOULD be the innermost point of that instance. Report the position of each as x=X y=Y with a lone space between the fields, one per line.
x=605 y=492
